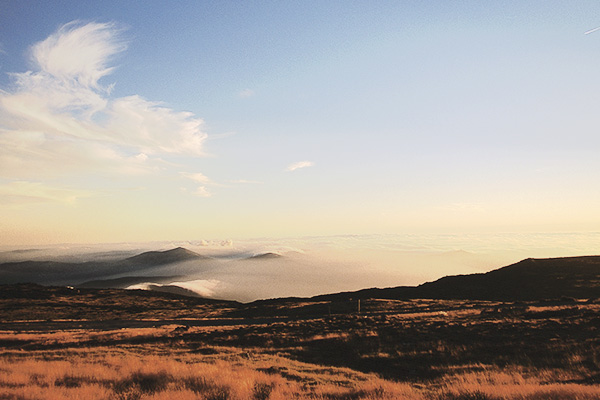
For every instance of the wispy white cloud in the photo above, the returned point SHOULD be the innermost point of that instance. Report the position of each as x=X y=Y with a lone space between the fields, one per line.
x=591 y=31
x=58 y=120
x=202 y=191
x=246 y=93
x=151 y=128
x=203 y=287
x=245 y=181
x=203 y=180
x=198 y=177
x=299 y=165
x=20 y=192
x=78 y=54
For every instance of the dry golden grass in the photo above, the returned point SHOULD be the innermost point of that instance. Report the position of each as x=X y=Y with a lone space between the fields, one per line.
x=234 y=374
x=106 y=374
x=512 y=385
x=425 y=350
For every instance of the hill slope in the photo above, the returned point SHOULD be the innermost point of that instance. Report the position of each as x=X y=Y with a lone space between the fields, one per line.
x=35 y=302
x=73 y=273
x=530 y=279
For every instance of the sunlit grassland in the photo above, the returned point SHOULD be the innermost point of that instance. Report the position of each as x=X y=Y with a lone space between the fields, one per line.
x=414 y=349
x=137 y=373
x=104 y=373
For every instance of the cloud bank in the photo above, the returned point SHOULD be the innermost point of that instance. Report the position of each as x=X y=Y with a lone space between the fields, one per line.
x=58 y=121
x=202 y=287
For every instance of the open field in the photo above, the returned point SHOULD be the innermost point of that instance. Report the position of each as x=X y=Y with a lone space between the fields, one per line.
x=285 y=349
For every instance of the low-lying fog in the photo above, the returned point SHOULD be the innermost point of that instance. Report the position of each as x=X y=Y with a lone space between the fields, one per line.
x=297 y=267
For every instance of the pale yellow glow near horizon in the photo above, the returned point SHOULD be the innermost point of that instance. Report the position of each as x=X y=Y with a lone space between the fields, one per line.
x=113 y=219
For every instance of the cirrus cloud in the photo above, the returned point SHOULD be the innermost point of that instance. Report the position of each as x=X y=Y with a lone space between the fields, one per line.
x=21 y=192
x=298 y=165
x=78 y=52
x=58 y=121
x=246 y=93
x=198 y=177
x=202 y=191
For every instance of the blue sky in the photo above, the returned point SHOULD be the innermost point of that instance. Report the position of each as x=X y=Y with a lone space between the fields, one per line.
x=316 y=118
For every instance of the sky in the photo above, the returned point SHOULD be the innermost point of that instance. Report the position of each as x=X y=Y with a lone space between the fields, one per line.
x=148 y=121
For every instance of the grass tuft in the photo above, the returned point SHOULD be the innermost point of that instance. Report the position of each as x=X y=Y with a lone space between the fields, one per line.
x=68 y=381
x=470 y=395
x=143 y=382
x=261 y=391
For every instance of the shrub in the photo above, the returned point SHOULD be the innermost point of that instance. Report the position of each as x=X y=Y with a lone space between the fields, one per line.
x=144 y=382
x=261 y=391
x=68 y=381
x=474 y=395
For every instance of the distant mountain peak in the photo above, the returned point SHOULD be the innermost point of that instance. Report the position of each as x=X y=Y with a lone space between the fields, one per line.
x=178 y=254
x=182 y=252
x=264 y=256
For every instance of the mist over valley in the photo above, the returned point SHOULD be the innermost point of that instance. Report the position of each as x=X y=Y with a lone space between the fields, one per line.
x=248 y=270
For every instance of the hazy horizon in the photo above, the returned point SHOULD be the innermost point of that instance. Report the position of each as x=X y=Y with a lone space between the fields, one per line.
x=314 y=265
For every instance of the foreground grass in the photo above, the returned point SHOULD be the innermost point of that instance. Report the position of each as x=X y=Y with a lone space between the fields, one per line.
x=421 y=350
x=106 y=374
x=231 y=374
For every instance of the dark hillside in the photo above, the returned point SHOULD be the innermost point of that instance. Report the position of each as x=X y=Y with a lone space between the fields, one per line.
x=530 y=279
x=52 y=272
x=36 y=302
x=124 y=282
x=75 y=273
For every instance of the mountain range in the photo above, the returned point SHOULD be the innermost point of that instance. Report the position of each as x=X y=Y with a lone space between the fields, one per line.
x=79 y=273
x=530 y=279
